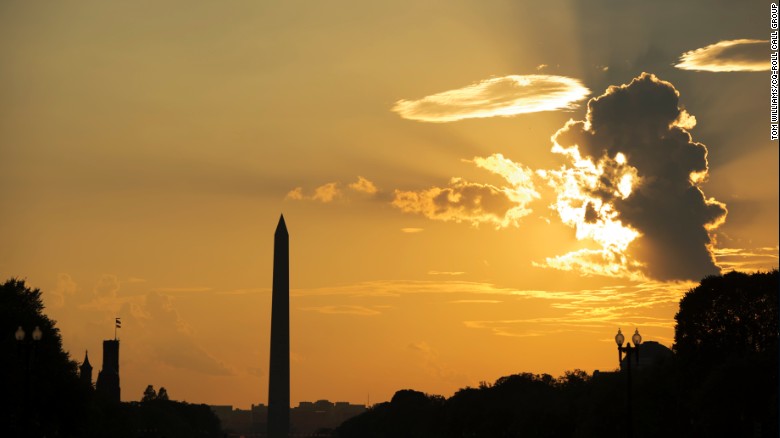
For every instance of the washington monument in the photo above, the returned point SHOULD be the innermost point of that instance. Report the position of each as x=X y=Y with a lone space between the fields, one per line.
x=279 y=371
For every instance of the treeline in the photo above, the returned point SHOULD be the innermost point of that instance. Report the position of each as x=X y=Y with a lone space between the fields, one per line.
x=152 y=418
x=721 y=381
x=42 y=395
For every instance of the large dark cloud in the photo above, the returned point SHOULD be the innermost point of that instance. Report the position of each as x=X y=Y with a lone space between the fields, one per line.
x=643 y=121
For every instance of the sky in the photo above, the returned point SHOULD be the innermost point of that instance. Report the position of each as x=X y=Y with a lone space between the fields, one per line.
x=472 y=188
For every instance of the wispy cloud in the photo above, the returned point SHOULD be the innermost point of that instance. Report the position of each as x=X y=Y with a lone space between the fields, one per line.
x=475 y=203
x=433 y=364
x=747 y=260
x=502 y=96
x=451 y=273
x=344 y=310
x=595 y=310
x=181 y=289
x=411 y=230
x=728 y=56
x=647 y=305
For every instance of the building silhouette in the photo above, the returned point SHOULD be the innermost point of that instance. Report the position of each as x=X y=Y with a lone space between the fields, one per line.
x=305 y=420
x=650 y=354
x=85 y=370
x=279 y=370
x=108 y=378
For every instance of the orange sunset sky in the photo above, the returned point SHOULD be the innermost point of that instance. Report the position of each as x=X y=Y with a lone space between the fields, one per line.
x=458 y=210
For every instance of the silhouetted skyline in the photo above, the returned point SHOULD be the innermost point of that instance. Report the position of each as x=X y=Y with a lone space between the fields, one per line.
x=465 y=181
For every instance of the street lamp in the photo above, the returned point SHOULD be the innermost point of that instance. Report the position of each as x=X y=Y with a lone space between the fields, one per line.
x=28 y=356
x=619 y=339
x=37 y=334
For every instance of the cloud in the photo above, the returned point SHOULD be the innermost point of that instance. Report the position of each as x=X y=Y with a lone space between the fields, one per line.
x=329 y=192
x=595 y=310
x=171 y=338
x=503 y=96
x=326 y=192
x=747 y=260
x=156 y=332
x=411 y=230
x=451 y=273
x=181 y=289
x=295 y=194
x=343 y=310
x=463 y=201
x=364 y=186
x=107 y=286
x=433 y=365
x=65 y=287
x=728 y=56
x=633 y=178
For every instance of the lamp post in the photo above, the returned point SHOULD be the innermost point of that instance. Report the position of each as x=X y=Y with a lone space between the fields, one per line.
x=28 y=347
x=619 y=339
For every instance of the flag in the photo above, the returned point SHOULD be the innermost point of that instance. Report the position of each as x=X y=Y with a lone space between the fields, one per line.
x=118 y=323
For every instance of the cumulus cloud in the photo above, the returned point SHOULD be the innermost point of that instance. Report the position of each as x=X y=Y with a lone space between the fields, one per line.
x=475 y=203
x=107 y=286
x=364 y=186
x=171 y=340
x=331 y=191
x=326 y=192
x=503 y=96
x=726 y=56
x=65 y=287
x=295 y=194
x=633 y=178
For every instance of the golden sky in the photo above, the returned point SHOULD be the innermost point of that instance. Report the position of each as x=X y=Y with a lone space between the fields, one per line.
x=472 y=189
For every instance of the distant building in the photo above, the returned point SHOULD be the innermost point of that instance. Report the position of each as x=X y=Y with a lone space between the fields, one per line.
x=306 y=419
x=650 y=353
x=108 y=378
x=235 y=422
x=85 y=370
x=310 y=417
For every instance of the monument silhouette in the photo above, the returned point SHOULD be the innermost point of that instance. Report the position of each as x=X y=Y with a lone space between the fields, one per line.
x=279 y=370
x=108 y=378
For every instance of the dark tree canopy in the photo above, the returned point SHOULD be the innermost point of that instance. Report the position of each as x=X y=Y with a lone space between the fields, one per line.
x=726 y=340
x=41 y=389
x=733 y=315
x=149 y=394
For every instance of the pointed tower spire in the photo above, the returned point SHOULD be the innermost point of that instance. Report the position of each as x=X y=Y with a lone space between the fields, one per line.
x=85 y=370
x=279 y=371
x=281 y=228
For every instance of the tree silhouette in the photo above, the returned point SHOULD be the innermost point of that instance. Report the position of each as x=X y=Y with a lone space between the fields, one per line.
x=149 y=394
x=42 y=393
x=726 y=339
x=726 y=316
